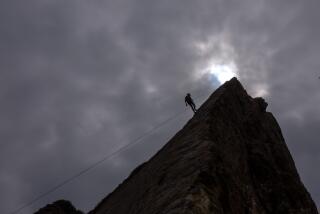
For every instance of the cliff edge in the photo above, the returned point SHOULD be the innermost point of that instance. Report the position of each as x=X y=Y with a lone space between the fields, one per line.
x=230 y=158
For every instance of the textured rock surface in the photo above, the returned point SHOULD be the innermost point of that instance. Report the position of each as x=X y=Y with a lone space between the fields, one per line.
x=59 y=207
x=229 y=158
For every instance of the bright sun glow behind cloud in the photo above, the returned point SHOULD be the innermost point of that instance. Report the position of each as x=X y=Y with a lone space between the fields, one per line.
x=218 y=59
x=223 y=72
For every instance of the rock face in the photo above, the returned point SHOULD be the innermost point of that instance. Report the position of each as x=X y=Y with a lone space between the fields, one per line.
x=229 y=158
x=59 y=207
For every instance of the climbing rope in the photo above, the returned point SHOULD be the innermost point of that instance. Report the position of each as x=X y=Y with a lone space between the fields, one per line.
x=107 y=157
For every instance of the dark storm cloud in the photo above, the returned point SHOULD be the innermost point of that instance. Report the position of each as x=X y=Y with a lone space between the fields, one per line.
x=80 y=79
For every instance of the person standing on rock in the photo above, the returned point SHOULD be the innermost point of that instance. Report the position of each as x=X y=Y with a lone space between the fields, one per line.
x=189 y=101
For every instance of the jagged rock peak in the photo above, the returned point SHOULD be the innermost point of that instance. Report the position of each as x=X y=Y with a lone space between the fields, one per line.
x=59 y=207
x=230 y=158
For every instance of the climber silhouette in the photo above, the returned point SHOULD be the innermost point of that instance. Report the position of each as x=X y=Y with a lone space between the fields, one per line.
x=189 y=101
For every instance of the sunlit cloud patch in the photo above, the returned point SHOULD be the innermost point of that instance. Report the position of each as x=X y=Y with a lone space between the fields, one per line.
x=223 y=72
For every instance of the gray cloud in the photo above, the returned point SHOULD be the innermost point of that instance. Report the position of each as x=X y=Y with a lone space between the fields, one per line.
x=80 y=79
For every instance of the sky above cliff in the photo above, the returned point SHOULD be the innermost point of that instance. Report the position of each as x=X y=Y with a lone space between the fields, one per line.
x=80 y=79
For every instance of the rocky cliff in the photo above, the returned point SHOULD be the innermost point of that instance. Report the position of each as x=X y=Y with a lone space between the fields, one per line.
x=229 y=158
x=59 y=207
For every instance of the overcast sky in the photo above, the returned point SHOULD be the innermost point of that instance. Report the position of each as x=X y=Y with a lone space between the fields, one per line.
x=79 y=79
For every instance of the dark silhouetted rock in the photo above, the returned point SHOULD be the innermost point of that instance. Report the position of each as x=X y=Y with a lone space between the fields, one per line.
x=59 y=207
x=230 y=158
